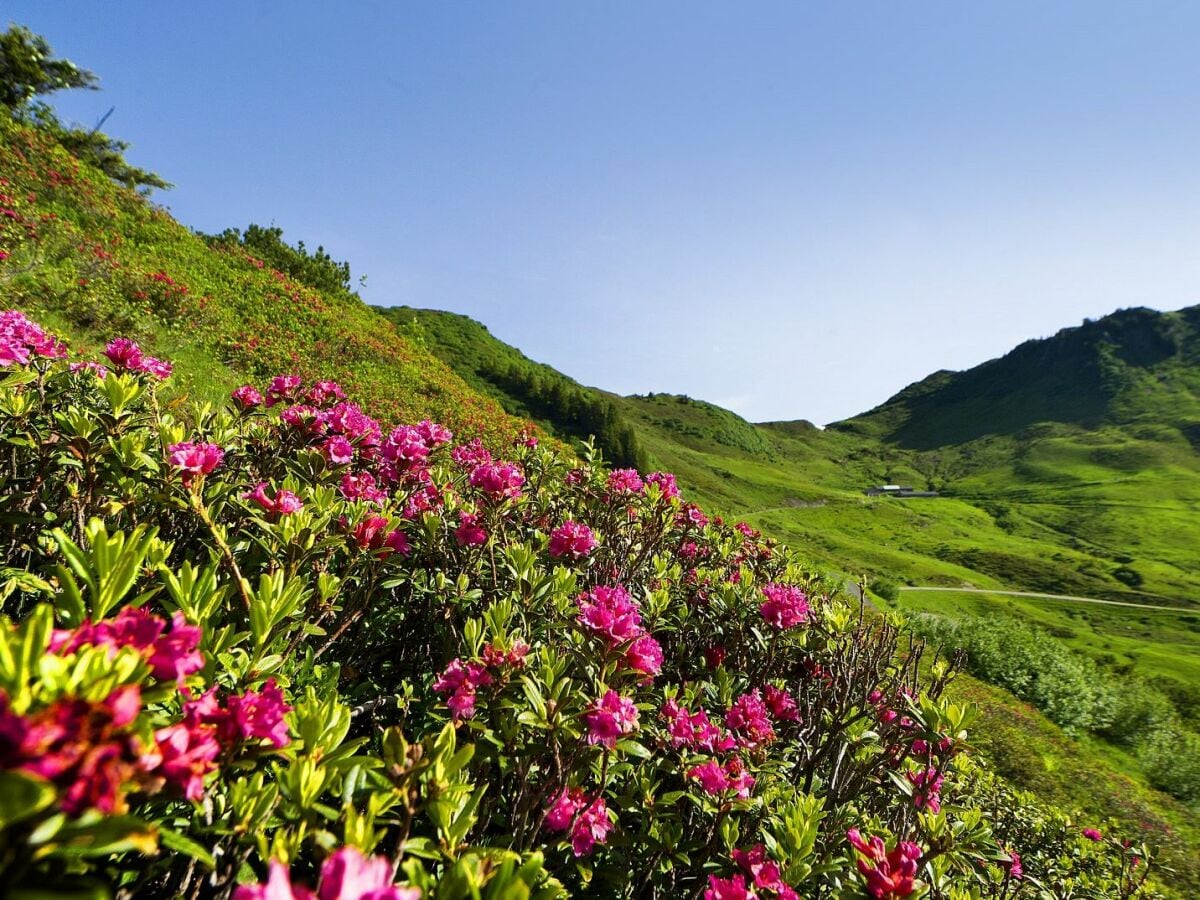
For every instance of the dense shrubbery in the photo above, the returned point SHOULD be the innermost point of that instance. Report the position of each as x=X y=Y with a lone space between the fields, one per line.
x=281 y=640
x=1078 y=695
x=317 y=268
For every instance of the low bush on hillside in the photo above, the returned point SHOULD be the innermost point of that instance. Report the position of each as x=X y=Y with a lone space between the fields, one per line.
x=1077 y=694
x=278 y=644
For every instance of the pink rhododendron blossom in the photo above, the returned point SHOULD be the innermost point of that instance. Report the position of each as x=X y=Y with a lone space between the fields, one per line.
x=362 y=487
x=888 y=875
x=786 y=606
x=1092 y=834
x=259 y=715
x=22 y=339
x=1013 y=866
x=284 y=503
x=433 y=434
x=323 y=393
x=460 y=680
x=345 y=875
x=277 y=887
x=927 y=785
x=186 y=752
x=571 y=540
x=716 y=779
x=126 y=356
x=665 y=482
x=338 y=450
x=692 y=515
x=645 y=656
x=609 y=718
x=587 y=821
x=283 y=389
x=469 y=532
x=611 y=614
x=95 y=368
x=397 y=542
x=86 y=749
x=624 y=482
x=591 y=828
x=247 y=397
x=725 y=889
x=694 y=731
x=370 y=532
x=471 y=455
x=172 y=655
x=763 y=871
x=781 y=703
x=749 y=721
x=194 y=460
x=498 y=481
x=564 y=807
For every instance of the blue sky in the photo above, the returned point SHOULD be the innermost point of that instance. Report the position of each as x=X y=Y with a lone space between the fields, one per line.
x=790 y=209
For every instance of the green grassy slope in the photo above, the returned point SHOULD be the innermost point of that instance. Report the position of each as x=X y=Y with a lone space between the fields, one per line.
x=523 y=387
x=92 y=260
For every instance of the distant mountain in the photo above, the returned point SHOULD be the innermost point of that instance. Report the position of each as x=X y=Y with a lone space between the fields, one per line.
x=1136 y=365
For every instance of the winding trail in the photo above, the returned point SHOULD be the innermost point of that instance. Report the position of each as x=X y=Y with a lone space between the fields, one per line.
x=1174 y=609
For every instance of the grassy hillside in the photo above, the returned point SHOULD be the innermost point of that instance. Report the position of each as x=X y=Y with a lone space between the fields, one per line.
x=91 y=259
x=523 y=387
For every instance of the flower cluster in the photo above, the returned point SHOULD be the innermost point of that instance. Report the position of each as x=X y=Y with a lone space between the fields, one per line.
x=585 y=818
x=889 y=875
x=172 y=655
x=22 y=340
x=126 y=356
x=194 y=460
x=571 y=540
x=786 y=606
x=346 y=875
x=609 y=718
x=765 y=879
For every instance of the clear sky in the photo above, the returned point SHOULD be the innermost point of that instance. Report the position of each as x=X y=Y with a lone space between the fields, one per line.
x=791 y=209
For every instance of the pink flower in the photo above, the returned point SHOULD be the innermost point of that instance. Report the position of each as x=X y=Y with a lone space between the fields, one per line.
x=666 y=484
x=362 y=487
x=171 y=656
x=176 y=654
x=609 y=718
x=927 y=785
x=259 y=715
x=624 y=481
x=369 y=533
x=610 y=613
x=718 y=889
x=781 y=704
x=247 y=397
x=460 y=680
x=126 y=356
x=324 y=392
x=346 y=875
x=283 y=388
x=349 y=875
x=889 y=875
x=591 y=828
x=471 y=455
x=694 y=730
x=338 y=450
x=278 y=887
x=1092 y=834
x=763 y=871
x=95 y=368
x=1014 y=866
x=785 y=607
x=572 y=540
x=645 y=656
x=185 y=753
x=469 y=532
x=748 y=719
x=194 y=460
x=397 y=542
x=433 y=434
x=498 y=481
x=716 y=779
x=284 y=503
x=588 y=823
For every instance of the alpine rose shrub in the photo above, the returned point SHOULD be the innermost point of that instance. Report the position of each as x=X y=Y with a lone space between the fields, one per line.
x=285 y=650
